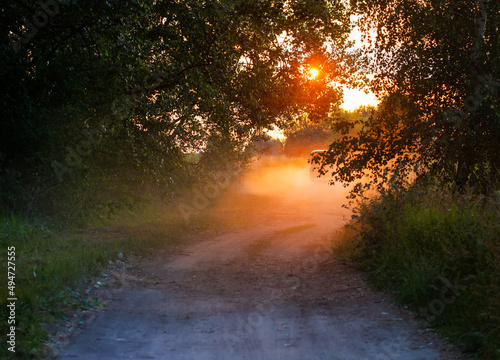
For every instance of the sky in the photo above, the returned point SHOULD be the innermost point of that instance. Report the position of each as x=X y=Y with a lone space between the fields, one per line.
x=355 y=98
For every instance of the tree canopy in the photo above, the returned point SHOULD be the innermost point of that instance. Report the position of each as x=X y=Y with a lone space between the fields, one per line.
x=112 y=89
x=435 y=66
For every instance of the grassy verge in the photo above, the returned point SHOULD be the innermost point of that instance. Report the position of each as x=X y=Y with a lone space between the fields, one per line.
x=51 y=266
x=55 y=258
x=47 y=268
x=440 y=253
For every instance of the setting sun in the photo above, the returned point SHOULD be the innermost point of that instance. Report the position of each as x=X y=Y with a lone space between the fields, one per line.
x=313 y=73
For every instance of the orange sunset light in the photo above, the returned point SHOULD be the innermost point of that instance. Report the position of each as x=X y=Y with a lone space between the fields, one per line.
x=313 y=73
x=354 y=98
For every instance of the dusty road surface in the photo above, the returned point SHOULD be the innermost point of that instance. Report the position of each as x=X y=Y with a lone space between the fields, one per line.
x=262 y=285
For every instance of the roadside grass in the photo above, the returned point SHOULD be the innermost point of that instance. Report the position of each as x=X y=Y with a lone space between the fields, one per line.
x=440 y=253
x=48 y=266
x=52 y=265
x=58 y=256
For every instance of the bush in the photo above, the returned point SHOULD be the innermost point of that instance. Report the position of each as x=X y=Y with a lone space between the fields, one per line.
x=439 y=252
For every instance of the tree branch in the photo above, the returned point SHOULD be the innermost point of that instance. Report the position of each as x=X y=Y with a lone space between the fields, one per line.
x=67 y=37
x=32 y=11
x=163 y=85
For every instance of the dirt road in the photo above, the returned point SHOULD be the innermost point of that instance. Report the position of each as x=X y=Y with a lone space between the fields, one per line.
x=263 y=285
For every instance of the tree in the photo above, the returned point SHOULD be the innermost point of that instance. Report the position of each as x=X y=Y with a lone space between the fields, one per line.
x=436 y=66
x=304 y=136
x=99 y=91
x=62 y=64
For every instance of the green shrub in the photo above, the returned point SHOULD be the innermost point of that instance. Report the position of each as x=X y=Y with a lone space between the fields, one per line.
x=439 y=252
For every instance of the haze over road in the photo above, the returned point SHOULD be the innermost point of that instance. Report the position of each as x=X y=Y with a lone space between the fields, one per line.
x=262 y=285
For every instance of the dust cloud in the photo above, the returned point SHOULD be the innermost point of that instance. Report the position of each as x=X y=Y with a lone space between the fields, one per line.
x=277 y=177
x=278 y=191
x=289 y=178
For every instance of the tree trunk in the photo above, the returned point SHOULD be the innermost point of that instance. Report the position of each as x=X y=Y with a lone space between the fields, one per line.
x=481 y=17
x=464 y=166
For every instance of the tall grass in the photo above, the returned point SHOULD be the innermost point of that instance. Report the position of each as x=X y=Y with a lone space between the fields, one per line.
x=53 y=265
x=48 y=266
x=440 y=252
x=87 y=223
